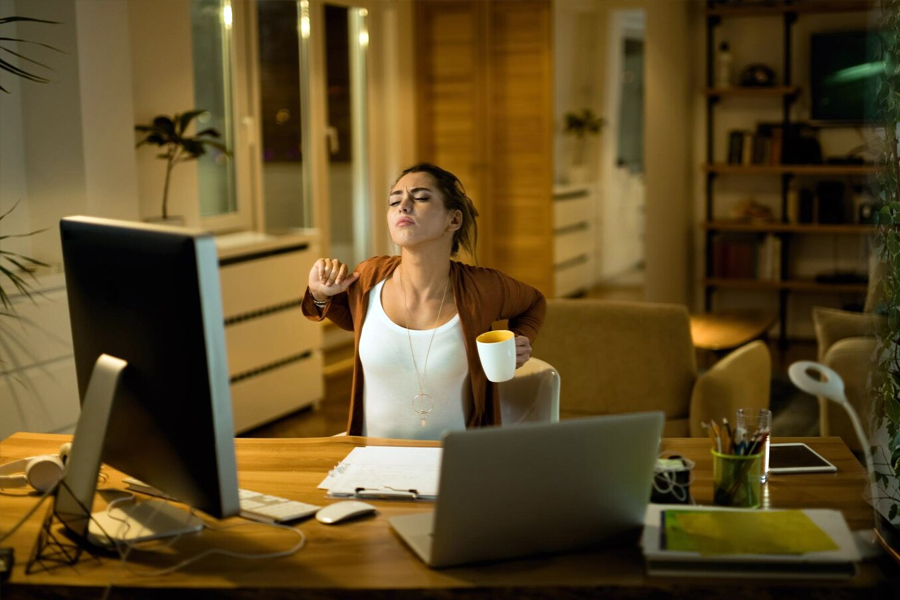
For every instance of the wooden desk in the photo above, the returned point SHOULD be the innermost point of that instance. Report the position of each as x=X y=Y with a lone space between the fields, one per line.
x=341 y=561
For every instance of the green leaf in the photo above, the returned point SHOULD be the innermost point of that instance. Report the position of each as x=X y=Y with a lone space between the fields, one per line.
x=164 y=124
x=11 y=68
x=26 y=19
x=25 y=58
x=211 y=131
x=185 y=120
x=892 y=512
x=193 y=147
x=218 y=146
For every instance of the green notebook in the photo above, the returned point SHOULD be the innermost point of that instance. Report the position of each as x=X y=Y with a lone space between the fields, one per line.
x=760 y=532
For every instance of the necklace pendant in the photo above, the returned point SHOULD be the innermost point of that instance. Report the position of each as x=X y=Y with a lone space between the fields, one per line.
x=423 y=421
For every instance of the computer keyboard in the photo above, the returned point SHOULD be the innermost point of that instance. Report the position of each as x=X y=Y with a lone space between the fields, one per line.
x=254 y=505
x=272 y=509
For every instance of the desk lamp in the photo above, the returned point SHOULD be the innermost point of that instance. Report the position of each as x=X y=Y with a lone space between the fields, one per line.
x=830 y=385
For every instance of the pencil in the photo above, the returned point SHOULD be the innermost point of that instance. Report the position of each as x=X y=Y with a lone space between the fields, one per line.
x=718 y=440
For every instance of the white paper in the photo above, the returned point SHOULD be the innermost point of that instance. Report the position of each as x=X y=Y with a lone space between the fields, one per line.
x=386 y=468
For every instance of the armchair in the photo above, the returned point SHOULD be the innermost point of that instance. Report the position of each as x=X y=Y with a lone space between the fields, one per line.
x=846 y=344
x=619 y=357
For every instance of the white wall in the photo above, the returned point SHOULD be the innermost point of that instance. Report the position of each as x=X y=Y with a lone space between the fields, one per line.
x=580 y=61
x=107 y=108
x=667 y=126
x=163 y=80
x=53 y=145
x=13 y=183
x=67 y=146
x=667 y=166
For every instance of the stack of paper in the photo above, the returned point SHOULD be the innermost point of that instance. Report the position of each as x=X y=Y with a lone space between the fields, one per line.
x=706 y=541
x=383 y=471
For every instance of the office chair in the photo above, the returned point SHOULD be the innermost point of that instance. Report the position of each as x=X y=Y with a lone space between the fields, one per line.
x=532 y=396
x=622 y=357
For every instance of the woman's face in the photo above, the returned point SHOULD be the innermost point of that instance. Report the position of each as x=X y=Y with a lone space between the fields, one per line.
x=416 y=212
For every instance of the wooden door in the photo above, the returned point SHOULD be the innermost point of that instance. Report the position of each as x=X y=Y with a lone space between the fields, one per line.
x=484 y=78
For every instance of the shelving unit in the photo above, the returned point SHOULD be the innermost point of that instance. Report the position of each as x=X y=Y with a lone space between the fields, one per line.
x=787 y=93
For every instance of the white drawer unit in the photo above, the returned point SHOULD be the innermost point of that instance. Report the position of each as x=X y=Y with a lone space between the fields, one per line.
x=274 y=352
x=573 y=239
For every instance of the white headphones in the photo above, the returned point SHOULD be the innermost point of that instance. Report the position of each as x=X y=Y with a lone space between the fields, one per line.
x=40 y=472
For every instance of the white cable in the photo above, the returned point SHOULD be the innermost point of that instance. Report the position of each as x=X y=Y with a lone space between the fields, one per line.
x=266 y=555
x=679 y=490
x=134 y=546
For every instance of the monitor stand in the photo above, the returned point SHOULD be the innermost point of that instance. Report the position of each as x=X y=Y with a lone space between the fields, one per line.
x=139 y=521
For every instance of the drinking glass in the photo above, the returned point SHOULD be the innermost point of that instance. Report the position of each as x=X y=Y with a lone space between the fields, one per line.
x=752 y=421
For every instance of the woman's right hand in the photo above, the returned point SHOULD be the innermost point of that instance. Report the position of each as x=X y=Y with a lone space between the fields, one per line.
x=328 y=277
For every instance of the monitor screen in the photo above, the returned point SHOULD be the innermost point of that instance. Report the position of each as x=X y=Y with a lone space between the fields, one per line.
x=149 y=295
x=844 y=70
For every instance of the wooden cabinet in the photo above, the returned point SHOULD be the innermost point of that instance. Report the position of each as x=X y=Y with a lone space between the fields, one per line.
x=781 y=277
x=484 y=111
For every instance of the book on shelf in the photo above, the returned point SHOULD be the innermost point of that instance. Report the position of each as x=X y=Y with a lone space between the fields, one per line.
x=769 y=263
x=735 y=147
x=742 y=256
x=747 y=151
x=760 y=147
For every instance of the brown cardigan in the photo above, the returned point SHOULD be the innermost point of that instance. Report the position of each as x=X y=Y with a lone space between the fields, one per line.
x=482 y=297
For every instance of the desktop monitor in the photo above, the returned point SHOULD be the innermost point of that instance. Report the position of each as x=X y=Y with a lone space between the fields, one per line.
x=149 y=296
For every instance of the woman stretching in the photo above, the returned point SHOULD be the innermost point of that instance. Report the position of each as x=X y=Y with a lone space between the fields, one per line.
x=415 y=317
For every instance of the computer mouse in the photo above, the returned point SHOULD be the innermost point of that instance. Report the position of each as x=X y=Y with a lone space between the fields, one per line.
x=342 y=511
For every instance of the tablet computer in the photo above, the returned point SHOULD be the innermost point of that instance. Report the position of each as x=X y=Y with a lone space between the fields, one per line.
x=797 y=458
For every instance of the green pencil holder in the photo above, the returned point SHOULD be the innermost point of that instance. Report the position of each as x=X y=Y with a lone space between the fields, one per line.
x=736 y=480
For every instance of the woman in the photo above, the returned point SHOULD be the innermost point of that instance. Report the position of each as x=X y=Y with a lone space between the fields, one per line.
x=416 y=316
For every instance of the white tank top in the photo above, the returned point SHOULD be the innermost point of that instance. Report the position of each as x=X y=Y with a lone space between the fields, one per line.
x=390 y=378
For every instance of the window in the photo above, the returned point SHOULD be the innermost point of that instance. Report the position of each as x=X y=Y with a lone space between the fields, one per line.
x=224 y=201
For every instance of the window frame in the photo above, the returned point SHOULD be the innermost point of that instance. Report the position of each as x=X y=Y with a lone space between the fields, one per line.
x=244 y=125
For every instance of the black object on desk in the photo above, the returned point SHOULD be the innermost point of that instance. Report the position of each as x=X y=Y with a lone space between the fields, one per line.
x=7 y=560
x=672 y=486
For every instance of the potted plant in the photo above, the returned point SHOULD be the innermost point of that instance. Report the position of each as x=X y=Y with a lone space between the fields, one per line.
x=581 y=124
x=15 y=267
x=170 y=134
x=885 y=381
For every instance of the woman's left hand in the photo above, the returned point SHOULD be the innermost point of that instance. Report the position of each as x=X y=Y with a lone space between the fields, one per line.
x=523 y=350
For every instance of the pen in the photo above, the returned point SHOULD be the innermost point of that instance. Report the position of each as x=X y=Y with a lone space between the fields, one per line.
x=730 y=436
x=760 y=440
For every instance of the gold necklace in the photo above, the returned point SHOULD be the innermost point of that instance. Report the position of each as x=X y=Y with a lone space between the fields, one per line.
x=422 y=403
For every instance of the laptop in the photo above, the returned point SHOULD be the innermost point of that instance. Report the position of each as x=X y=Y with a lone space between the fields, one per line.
x=537 y=489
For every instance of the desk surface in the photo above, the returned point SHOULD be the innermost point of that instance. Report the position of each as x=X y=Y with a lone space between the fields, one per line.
x=367 y=555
